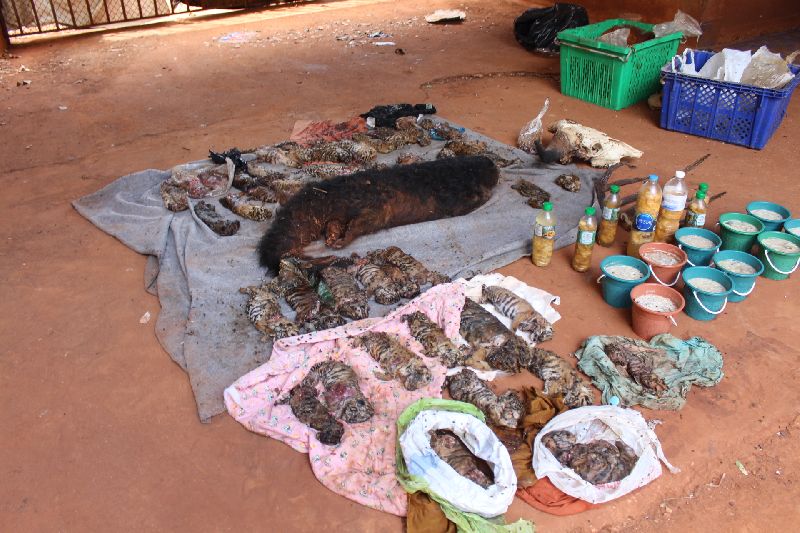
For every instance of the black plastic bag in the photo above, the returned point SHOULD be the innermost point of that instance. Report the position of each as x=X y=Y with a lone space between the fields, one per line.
x=536 y=29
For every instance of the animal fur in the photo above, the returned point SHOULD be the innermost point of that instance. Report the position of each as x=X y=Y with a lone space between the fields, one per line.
x=638 y=362
x=409 y=266
x=348 y=299
x=597 y=462
x=341 y=393
x=214 y=220
x=310 y=411
x=494 y=343
x=504 y=410
x=396 y=361
x=454 y=452
x=298 y=291
x=264 y=312
x=433 y=340
x=345 y=207
x=559 y=377
x=522 y=314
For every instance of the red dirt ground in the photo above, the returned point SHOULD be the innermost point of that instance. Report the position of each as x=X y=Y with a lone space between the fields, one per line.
x=100 y=431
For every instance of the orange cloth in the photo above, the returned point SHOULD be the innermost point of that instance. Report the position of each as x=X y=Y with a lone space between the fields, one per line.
x=425 y=516
x=545 y=497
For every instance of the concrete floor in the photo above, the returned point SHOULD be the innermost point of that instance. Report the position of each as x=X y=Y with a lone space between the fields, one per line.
x=99 y=428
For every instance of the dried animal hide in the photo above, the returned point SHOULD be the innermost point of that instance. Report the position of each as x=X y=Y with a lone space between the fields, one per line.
x=175 y=198
x=535 y=194
x=309 y=410
x=246 y=206
x=214 y=220
x=343 y=208
x=396 y=361
x=559 y=377
x=638 y=362
x=433 y=340
x=504 y=410
x=341 y=393
x=523 y=316
x=597 y=462
x=455 y=453
x=569 y=182
x=575 y=141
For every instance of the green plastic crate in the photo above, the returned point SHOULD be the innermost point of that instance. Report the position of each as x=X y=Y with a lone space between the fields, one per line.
x=608 y=75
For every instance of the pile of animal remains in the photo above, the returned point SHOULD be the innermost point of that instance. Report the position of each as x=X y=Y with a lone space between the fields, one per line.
x=325 y=293
x=485 y=344
x=272 y=174
x=597 y=462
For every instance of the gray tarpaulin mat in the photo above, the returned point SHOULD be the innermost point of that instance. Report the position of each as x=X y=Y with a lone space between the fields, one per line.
x=197 y=274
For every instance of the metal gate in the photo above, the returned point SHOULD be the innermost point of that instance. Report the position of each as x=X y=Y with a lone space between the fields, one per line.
x=25 y=17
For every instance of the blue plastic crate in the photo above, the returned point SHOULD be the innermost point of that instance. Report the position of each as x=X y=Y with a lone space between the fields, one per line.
x=728 y=112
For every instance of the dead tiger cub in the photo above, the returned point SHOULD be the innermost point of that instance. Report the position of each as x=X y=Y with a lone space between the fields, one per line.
x=504 y=410
x=433 y=340
x=522 y=314
x=396 y=361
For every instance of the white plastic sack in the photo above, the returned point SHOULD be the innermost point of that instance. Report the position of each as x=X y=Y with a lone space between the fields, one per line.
x=601 y=422
x=727 y=65
x=618 y=37
x=462 y=493
x=767 y=70
x=532 y=131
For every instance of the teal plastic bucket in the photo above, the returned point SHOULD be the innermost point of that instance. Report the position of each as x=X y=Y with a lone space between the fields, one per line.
x=743 y=284
x=778 y=264
x=792 y=226
x=697 y=256
x=704 y=305
x=769 y=225
x=616 y=290
x=734 y=239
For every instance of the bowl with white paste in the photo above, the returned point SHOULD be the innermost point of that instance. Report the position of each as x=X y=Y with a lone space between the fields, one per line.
x=772 y=215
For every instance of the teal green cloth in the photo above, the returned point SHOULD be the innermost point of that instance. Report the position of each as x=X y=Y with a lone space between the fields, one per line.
x=465 y=522
x=691 y=362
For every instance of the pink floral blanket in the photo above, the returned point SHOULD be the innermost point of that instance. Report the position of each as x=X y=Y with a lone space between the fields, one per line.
x=362 y=466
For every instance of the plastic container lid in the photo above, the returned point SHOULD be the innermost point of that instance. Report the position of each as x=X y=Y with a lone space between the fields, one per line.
x=700 y=195
x=589 y=211
x=653 y=178
x=614 y=189
x=547 y=206
x=680 y=174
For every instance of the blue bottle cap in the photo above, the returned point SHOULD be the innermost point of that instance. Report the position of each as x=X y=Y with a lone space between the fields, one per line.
x=653 y=177
x=613 y=401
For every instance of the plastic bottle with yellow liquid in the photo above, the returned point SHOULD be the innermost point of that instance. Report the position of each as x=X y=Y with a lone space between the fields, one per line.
x=673 y=202
x=587 y=227
x=648 y=203
x=698 y=209
x=609 y=220
x=544 y=236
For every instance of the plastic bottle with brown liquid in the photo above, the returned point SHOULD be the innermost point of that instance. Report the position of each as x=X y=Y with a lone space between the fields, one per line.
x=587 y=227
x=648 y=204
x=673 y=203
x=609 y=220
x=698 y=209
x=544 y=236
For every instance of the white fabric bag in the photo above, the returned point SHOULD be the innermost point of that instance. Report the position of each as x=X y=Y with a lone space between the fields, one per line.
x=462 y=493
x=601 y=422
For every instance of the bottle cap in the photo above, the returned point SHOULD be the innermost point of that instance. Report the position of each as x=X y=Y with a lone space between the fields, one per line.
x=680 y=174
x=614 y=400
x=653 y=178
x=703 y=186
x=700 y=195
x=547 y=206
x=589 y=211
x=614 y=189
